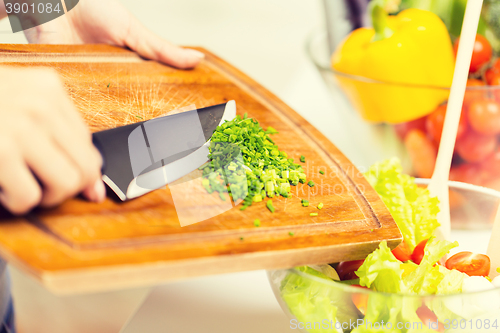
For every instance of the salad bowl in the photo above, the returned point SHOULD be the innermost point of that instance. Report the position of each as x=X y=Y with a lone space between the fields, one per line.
x=316 y=303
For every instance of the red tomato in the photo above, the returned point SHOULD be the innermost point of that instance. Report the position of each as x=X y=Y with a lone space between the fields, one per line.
x=360 y=300
x=430 y=319
x=404 y=128
x=418 y=252
x=435 y=121
x=474 y=147
x=422 y=153
x=493 y=71
x=481 y=55
x=470 y=263
x=346 y=269
x=402 y=252
x=484 y=116
x=472 y=93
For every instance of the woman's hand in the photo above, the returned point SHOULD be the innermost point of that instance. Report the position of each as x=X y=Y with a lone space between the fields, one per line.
x=46 y=150
x=107 y=21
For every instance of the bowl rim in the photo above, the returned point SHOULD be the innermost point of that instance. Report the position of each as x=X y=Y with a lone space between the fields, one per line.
x=321 y=33
x=353 y=289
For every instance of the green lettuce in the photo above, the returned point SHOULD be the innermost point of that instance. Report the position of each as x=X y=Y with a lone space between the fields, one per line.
x=312 y=301
x=412 y=207
x=381 y=271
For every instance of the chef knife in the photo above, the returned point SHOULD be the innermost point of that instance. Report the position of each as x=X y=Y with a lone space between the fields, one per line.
x=144 y=156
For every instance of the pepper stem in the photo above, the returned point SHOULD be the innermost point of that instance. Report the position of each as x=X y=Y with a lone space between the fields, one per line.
x=379 y=20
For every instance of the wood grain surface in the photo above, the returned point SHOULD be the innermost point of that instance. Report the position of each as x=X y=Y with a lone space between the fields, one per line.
x=85 y=247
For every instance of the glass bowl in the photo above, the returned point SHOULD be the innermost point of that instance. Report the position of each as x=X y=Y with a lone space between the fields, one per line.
x=361 y=102
x=310 y=299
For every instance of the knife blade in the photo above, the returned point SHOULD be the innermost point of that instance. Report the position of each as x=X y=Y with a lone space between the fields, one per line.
x=147 y=155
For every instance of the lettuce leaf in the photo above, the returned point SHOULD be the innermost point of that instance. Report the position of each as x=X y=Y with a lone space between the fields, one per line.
x=412 y=207
x=311 y=301
x=381 y=271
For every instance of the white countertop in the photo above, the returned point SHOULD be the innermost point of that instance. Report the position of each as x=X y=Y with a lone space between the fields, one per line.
x=266 y=40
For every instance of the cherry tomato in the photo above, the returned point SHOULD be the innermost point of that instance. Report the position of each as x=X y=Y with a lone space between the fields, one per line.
x=435 y=121
x=346 y=269
x=404 y=128
x=429 y=318
x=402 y=252
x=475 y=147
x=481 y=55
x=418 y=252
x=495 y=81
x=422 y=153
x=360 y=300
x=484 y=116
x=493 y=71
x=472 y=93
x=470 y=263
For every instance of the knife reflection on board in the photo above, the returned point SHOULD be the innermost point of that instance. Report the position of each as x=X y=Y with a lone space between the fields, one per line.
x=145 y=156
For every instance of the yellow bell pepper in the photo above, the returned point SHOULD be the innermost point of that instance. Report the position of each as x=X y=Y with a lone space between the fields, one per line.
x=396 y=70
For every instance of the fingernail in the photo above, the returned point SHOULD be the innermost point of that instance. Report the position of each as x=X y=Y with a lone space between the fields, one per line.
x=99 y=191
x=197 y=54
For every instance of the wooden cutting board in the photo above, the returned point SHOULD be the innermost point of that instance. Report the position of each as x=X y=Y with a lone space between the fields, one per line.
x=85 y=247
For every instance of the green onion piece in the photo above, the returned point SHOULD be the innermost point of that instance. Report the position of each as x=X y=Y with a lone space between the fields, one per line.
x=241 y=238
x=320 y=205
x=321 y=172
x=256 y=223
x=257 y=198
x=313 y=214
x=291 y=233
x=270 y=206
x=305 y=203
x=311 y=183
x=302 y=158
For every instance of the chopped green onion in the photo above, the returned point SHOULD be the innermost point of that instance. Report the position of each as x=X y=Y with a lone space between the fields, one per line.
x=256 y=223
x=243 y=156
x=305 y=203
x=321 y=172
x=302 y=158
x=313 y=214
x=320 y=205
x=241 y=238
x=310 y=183
x=291 y=233
x=270 y=206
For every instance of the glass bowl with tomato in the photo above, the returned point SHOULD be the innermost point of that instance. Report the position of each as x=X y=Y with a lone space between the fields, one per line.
x=415 y=140
x=423 y=285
